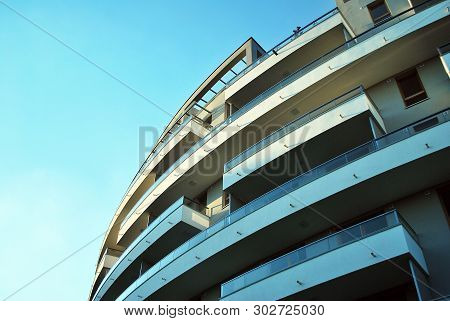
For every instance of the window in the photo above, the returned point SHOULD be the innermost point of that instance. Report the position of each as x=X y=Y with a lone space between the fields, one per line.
x=411 y=88
x=378 y=11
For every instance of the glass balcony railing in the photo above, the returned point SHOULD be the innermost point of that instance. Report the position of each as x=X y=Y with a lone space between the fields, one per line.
x=196 y=206
x=338 y=162
x=279 y=46
x=200 y=208
x=159 y=147
x=294 y=125
x=155 y=151
x=282 y=44
x=183 y=201
x=303 y=70
x=271 y=91
x=275 y=50
x=320 y=247
x=296 y=183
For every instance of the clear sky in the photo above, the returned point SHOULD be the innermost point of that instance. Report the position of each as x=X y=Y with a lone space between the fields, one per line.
x=69 y=133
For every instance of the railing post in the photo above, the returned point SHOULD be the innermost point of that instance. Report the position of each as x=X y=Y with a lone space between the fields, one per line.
x=397 y=219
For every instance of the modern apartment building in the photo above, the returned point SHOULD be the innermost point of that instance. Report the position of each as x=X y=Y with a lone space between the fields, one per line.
x=316 y=170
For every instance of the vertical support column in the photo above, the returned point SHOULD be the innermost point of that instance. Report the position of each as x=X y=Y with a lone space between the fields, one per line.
x=347 y=35
x=372 y=127
x=420 y=282
x=144 y=267
x=444 y=54
x=251 y=52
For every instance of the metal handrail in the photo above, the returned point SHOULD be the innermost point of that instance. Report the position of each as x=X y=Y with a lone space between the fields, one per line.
x=267 y=93
x=293 y=125
x=254 y=102
x=343 y=159
x=281 y=44
x=315 y=173
x=349 y=231
x=308 y=27
x=300 y=72
x=182 y=201
x=185 y=199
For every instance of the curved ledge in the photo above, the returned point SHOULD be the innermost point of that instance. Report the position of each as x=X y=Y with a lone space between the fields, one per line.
x=352 y=50
x=399 y=147
x=171 y=228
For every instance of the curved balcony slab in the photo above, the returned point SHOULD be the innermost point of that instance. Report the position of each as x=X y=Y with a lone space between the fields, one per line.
x=109 y=258
x=294 y=45
x=367 y=168
x=343 y=109
x=382 y=239
x=397 y=28
x=191 y=127
x=174 y=226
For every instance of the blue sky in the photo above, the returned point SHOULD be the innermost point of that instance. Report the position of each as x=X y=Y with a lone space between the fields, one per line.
x=69 y=132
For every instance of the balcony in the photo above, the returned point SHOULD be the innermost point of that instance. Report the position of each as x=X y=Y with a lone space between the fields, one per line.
x=372 y=244
x=341 y=161
x=303 y=80
x=293 y=52
x=160 y=159
x=353 y=176
x=389 y=30
x=182 y=220
x=353 y=117
x=107 y=261
x=444 y=53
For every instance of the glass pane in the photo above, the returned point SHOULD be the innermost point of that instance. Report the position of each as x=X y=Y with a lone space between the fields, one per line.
x=238 y=214
x=233 y=286
x=279 y=264
x=197 y=239
x=348 y=235
x=258 y=274
x=293 y=258
x=391 y=219
x=215 y=228
x=360 y=152
x=166 y=260
x=153 y=269
x=392 y=138
x=301 y=253
x=317 y=248
x=333 y=164
x=374 y=225
x=181 y=249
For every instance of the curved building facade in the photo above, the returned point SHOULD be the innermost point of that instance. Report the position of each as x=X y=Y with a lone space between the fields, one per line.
x=316 y=170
